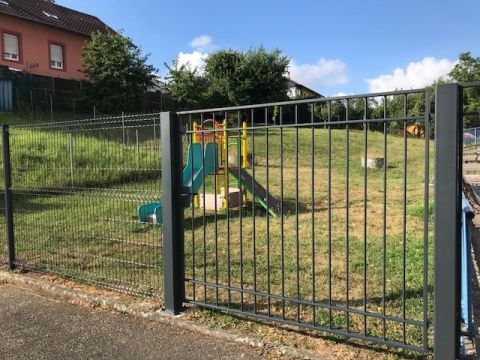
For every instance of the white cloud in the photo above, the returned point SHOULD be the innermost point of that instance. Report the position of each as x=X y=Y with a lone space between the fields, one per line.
x=202 y=43
x=323 y=72
x=416 y=75
x=192 y=61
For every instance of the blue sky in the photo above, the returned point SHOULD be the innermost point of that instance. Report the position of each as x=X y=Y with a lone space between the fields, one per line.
x=342 y=46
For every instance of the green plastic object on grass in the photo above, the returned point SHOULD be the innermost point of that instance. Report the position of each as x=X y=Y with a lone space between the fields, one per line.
x=194 y=173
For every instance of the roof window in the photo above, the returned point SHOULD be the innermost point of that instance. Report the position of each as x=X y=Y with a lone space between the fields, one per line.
x=49 y=15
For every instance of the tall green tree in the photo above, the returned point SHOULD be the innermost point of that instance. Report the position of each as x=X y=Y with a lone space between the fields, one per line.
x=118 y=73
x=467 y=70
x=187 y=87
x=231 y=77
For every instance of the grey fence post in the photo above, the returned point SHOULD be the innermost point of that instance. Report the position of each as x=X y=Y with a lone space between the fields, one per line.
x=8 y=196
x=173 y=217
x=448 y=180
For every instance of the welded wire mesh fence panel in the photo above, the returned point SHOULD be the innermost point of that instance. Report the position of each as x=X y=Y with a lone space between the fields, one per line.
x=309 y=235
x=76 y=189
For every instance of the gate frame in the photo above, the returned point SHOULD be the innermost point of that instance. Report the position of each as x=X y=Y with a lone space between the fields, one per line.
x=448 y=198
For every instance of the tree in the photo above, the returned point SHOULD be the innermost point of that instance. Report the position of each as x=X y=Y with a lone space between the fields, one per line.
x=187 y=87
x=467 y=70
x=231 y=77
x=118 y=73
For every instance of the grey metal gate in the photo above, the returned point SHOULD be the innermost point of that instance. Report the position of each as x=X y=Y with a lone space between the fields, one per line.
x=289 y=223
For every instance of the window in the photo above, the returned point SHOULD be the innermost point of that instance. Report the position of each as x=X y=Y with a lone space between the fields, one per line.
x=11 y=50
x=56 y=57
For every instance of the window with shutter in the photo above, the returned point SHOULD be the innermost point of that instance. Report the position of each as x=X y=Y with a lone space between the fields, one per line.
x=11 y=49
x=56 y=56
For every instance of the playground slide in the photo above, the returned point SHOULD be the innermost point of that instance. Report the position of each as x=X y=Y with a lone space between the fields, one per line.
x=264 y=198
x=193 y=176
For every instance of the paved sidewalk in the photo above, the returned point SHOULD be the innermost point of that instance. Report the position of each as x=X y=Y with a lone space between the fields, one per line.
x=34 y=327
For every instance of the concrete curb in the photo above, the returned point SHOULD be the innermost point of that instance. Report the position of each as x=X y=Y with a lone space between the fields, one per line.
x=65 y=293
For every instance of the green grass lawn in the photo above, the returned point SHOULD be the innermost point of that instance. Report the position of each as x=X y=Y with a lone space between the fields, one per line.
x=256 y=254
x=88 y=228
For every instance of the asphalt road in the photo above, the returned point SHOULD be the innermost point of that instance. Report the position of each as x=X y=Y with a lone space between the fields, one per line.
x=34 y=327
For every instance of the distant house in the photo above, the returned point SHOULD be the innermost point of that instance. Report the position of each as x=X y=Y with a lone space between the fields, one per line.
x=43 y=38
x=299 y=91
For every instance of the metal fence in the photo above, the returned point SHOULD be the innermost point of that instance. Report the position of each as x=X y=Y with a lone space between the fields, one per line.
x=309 y=234
x=471 y=136
x=76 y=187
x=316 y=213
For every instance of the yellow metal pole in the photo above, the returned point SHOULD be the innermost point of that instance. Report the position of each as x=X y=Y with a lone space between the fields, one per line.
x=244 y=151
x=244 y=146
x=196 y=198
x=195 y=136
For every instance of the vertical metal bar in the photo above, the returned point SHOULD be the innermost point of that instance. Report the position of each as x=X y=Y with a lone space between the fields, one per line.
x=173 y=213
x=254 y=232
x=330 y=272
x=215 y=217
x=8 y=196
x=70 y=156
x=267 y=154
x=297 y=230
x=191 y=141
x=404 y=217
x=365 y=220
x=385 y=167
x=426 y=215
x=282 y=213
x=448 y=172
x=204 y=220
x=347 y=220
x=312 y=120
x=227 y=194
x=241 y=222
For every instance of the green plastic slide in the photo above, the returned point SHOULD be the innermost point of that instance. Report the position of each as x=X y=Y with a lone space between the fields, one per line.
x=194 y=174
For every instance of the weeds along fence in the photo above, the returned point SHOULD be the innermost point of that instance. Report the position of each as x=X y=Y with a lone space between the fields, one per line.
x=76 y=187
